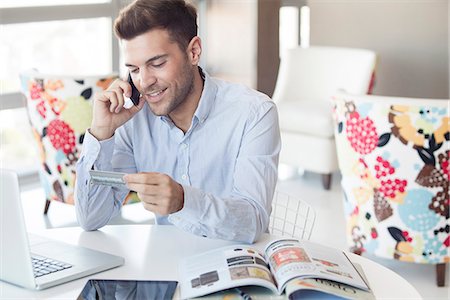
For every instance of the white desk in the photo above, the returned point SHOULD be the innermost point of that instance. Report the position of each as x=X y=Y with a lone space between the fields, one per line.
x=152 y=252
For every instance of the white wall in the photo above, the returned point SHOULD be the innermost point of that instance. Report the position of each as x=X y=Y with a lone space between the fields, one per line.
x=411 y=38
x=230 y=40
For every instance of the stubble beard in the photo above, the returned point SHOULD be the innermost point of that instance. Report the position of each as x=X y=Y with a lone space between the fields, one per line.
x=181 y=93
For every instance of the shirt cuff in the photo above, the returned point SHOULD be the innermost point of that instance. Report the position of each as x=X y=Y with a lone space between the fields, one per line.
x=192 y=210
x=98 y=153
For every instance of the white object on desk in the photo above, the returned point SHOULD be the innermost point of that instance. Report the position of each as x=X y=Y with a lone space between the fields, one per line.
x=152 y=252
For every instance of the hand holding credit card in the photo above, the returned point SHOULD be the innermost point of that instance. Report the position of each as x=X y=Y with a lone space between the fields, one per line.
x=107 y=178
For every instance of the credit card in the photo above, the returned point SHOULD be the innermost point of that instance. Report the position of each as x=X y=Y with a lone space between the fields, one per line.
x=107 y=178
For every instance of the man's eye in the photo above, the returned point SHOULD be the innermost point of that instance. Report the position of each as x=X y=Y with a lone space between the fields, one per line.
x=159 y=65
x=134 y=70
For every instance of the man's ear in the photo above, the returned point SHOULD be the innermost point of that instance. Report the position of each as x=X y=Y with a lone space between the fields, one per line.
x=194 y=50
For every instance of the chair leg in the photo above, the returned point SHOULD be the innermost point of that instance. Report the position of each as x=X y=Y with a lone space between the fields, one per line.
x=326 y=181
x=440 y=274
x=47 y=205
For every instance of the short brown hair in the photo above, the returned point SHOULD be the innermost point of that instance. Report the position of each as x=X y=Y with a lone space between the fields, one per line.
x=178 y=17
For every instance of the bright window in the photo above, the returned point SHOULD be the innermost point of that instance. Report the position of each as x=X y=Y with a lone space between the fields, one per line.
x=305 y=26
x=57 y=47
x=17 y=149
x=289 y=25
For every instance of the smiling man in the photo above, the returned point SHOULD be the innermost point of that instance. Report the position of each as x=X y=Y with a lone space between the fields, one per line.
x=201 y=153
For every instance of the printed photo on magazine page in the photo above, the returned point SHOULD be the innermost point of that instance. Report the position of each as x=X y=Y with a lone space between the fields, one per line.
x=281 y=261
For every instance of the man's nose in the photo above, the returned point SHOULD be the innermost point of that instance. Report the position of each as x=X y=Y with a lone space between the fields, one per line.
x=147 y=78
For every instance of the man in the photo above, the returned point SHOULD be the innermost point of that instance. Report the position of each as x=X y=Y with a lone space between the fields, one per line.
x=201 y=153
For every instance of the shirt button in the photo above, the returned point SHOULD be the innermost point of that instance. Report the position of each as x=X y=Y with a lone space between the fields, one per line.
x=184 y=146
x=184 y=177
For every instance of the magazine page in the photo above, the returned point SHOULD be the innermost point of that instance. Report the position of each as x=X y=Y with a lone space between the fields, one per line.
x=318 y=288
x=250 y=292
x=221 y=269
x=289 y=258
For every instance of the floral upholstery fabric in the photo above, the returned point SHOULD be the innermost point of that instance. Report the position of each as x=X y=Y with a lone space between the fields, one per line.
x=60 y=111
x=394 y=158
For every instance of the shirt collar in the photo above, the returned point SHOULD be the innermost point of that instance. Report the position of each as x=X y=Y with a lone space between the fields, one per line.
x=207 y=98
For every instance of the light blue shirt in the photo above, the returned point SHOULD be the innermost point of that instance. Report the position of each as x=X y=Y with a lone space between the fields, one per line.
x=226 y=163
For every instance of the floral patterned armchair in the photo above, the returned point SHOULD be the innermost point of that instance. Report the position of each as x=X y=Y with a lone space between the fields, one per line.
x=393 y=154
x=60 y=111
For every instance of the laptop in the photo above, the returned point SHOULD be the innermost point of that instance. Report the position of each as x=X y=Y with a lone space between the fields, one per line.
x=39 y=263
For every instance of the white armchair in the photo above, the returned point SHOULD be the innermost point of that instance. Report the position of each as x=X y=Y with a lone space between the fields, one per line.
x=307 y=79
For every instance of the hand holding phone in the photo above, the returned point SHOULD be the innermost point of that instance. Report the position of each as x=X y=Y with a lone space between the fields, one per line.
x=108 y=114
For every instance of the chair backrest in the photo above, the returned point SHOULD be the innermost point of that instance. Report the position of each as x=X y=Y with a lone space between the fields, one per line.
x=291 y=217
x=60 y=111
x=394 y=155
x=316 y=73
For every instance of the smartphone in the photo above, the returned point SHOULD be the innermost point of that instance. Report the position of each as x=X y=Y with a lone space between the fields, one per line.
x=127 y=289
x=135 y=95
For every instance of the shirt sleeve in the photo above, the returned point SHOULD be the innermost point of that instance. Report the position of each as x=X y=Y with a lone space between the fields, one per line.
x=96 y=204
x=244 y=215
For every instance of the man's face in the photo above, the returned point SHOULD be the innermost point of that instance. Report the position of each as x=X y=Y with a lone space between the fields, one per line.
x=160 y=70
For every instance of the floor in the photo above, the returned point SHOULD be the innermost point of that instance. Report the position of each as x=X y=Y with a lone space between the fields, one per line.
x=329 y=226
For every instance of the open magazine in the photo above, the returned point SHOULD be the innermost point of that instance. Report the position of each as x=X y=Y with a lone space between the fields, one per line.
x=285 y=264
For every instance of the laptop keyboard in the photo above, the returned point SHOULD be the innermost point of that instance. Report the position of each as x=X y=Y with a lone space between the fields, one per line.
x=44 y=266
